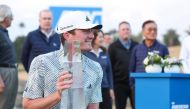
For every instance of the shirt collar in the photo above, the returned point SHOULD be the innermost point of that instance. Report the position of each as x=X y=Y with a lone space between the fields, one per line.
x=48 y=35
x=3 y=29
x=153 y=45
x=97 y=53
x=126 y=44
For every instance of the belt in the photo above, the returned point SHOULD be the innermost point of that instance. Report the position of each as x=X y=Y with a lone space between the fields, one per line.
x=9 y=65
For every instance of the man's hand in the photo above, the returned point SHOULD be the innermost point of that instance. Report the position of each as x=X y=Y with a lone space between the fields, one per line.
x=64 y=81
x=2 y=85
x=112 y=94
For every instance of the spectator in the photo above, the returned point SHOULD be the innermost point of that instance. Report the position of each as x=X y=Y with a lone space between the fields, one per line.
x=107 y=40
x=99 y=54
x=184 y=54
x=8 y=66
x=150 y=44
x=40 y=41
x=120 y=54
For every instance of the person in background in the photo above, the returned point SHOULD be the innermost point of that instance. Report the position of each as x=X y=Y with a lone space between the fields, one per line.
x=150 y=44
x=120 y=54
x=185 y=55
x=40 y=41
x=99 y=54
x=107 y=40
x=8 y=66
x=48 y=79
x=140 y=52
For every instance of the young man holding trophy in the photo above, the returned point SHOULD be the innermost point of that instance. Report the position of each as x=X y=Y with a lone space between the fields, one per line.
x=54 y=78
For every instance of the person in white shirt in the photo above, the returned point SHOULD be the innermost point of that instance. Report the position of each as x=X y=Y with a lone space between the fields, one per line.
x=185 y=55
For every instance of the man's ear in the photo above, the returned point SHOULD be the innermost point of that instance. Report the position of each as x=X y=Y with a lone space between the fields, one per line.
x=66 y=35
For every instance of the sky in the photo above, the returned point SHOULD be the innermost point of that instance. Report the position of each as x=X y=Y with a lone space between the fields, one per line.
x=168 y=14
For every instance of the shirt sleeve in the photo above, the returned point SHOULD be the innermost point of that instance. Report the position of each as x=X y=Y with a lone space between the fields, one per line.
x=110 y=73
x=35 y=84
x=132 y=65
x=96 y=90
x=26 y=52
x=111 y=54
x=184 y=55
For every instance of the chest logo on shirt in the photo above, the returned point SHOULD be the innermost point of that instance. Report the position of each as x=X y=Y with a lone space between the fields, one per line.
x=54 y=44
x=156 y=51
x=90 y=86
x=104 y=57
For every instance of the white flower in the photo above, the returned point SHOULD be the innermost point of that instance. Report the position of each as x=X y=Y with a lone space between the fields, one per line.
x=146 y=61
x=162 y=60
x=172 y=61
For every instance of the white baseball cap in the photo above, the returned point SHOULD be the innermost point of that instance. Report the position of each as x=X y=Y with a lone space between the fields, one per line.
x=75 y=20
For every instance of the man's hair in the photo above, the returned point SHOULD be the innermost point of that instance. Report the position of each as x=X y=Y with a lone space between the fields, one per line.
x=5 y=11
x=45 y=10
x=124 y=22
x=62 y=36
x=147 y=22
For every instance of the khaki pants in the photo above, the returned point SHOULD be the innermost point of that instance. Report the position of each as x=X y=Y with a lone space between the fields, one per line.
x=10 y=79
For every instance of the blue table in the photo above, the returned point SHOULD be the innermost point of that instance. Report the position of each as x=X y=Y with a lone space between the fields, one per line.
x=162 y=90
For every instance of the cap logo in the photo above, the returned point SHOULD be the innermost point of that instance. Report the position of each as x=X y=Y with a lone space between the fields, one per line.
x=87 y=19
x=62 y=28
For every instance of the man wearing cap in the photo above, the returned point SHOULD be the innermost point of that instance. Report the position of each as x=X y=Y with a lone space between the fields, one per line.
x=8 y=68
x=46 y=77
x=40 y=41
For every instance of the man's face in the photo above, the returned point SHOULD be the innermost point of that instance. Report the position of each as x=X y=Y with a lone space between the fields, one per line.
x=107 y=39
x=124 y=31
x=85 y=36
x=150 y=31
x=8 y=21
x=45 y=20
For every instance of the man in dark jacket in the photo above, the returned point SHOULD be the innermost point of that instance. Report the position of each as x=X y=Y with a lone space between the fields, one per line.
x=120 y=53
x=149 y=44
x=40 y=41
x=8 y=67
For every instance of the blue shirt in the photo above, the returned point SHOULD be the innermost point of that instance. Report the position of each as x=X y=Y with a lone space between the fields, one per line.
x=104 y=60
x=36 y=43
x=140 y=52
x=44 y=72
x=7 y=50
x=126 y=44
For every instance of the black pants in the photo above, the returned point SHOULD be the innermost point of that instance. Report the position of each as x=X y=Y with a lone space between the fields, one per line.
x=107 y=102
x=122 y=92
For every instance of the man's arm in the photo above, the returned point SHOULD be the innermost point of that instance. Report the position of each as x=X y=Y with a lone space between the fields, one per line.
x=93 y=106
x=42 y=103
x=64 y=82
x=26 y=52
x=184 y=55
x=132 y=64
x=2 y=86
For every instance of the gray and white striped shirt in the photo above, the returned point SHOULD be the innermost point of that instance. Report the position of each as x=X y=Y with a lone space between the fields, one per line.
x=45 y=70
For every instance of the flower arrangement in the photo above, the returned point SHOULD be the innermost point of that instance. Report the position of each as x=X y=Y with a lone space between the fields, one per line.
x=169 y=62
x=153 y=58
x=172 y=65
x=153 y=63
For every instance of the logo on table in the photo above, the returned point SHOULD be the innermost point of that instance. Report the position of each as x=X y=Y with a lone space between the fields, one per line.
x=179 y=106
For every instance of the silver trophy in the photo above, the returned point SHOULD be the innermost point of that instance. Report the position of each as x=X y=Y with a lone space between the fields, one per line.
x=73 y=98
